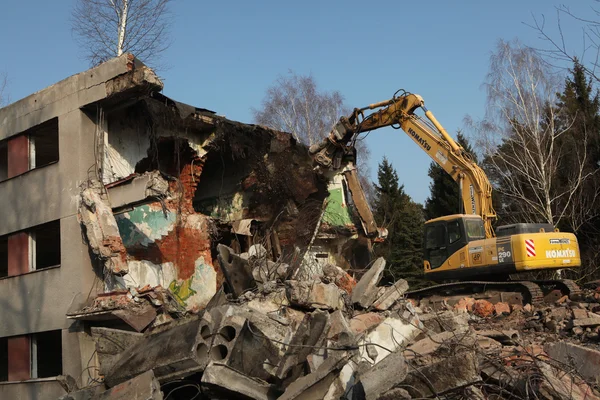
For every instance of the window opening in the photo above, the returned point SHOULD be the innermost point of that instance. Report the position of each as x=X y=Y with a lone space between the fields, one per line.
x=3 y=359
x=46 y=354
x=43 y=144
x=45 y=246
x=454 y=233
x=475 y=229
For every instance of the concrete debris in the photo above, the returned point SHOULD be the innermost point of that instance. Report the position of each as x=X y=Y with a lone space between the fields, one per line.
x=228 y=383
x=366 y=290
x=391 y=295
x=382 y=376
x=236 y=270
x=316 y=385
x=314 y=295
x=443 y=376
x=584 y=360
x=293 y=339
x=101 y=231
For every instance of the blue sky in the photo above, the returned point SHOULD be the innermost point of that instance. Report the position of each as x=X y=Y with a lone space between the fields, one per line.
x=225 y=54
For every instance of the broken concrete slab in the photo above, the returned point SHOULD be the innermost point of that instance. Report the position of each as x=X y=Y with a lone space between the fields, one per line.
x=232 y=384
x=110 y=343
x=558 y=384
x=339 y=329
x=585 y=360
x=389 y=335
x=443 y=376
x=584 y=322
x=445 y=321
x=172 y=353
x=310 y=334
x=580 y=313
x=366 y=290
x=316 y=384
x=383 y=376
x=314 y=294
x=391 y=295
x=236 y=270
x=142 y=387
x=137 y=188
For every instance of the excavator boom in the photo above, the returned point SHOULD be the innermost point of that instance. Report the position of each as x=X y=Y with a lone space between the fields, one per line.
x=429 y=135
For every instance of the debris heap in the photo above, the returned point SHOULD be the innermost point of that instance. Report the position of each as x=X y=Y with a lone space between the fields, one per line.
x=330 y=337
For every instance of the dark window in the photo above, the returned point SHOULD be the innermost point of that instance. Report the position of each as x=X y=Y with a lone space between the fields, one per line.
x=435 y=237
x=3 y=160
x=435 y=245
x=3 y=256
x=3 y=359
x=43 y=143
x=46 y=354
x=47 y=245
x=475 y=229
x=454 y=233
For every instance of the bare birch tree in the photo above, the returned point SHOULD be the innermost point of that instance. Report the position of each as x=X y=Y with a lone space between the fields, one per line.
x=522 y=140
x=561 y=48
x=108 y=28
x=294 y=104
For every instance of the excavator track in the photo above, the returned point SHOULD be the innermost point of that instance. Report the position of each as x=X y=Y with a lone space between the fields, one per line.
x=532 y=293
x=566 y=286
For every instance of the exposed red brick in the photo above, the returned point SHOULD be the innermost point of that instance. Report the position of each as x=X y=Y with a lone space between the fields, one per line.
x=464 y=304
x=501 y=308
x=483 y=308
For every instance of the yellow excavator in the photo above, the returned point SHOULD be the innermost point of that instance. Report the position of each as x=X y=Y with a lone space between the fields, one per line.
x=462 y=246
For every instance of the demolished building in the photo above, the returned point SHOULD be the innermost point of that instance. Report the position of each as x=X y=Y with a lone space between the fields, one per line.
x=154 y=250
x=113 y=192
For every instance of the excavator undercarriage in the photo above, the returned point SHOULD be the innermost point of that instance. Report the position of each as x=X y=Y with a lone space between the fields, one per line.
x=532 y=292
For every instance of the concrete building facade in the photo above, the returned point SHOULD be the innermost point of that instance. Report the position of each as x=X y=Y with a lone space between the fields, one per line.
x=47 y=150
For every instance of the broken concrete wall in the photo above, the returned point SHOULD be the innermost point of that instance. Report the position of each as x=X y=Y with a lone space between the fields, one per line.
x=219 y=182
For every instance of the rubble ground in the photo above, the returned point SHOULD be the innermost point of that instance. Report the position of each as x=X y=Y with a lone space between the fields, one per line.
x=323 y=338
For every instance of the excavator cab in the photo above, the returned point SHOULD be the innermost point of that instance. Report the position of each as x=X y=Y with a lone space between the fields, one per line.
x=446 y=235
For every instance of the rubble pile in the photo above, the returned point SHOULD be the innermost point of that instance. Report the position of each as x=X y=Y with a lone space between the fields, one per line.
x=268 y=335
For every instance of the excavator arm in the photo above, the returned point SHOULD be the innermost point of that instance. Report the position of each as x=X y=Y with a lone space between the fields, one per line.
x=429 y=135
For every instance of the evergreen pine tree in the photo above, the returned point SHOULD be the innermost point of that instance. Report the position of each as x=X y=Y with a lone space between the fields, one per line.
x=444 y=196
x=581 y=109
x=403 y=218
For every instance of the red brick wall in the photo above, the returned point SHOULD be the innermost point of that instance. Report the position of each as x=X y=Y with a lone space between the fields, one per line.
x=18 y=155
x=19 y=363
x=18 y=254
